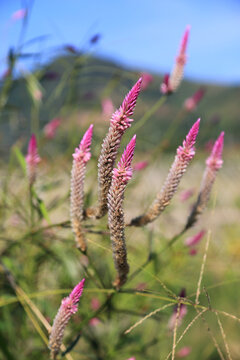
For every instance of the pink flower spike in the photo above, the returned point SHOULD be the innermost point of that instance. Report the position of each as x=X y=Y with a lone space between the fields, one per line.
x=107 y=107
x=51 y=128
x=188 y=150
x=193 y=240
x=193 y=251
x=147 y=79
x=130 y=100
x=123 y=169
x=183 y=352
x=68 y=307
x=94 y=322
x=32 y=159
x=214 y=161
x=186 y=194
x=132 y=358
x=191 y=103
x=83 y=151
x=164 y=88
x=140 y=165
x=19 y=14
x=183 y=46
x=95 y=304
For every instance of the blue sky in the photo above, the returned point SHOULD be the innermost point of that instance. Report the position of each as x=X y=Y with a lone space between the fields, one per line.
x=138 y=33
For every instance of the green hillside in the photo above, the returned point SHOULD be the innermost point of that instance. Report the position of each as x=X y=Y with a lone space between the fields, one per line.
x=77 y=83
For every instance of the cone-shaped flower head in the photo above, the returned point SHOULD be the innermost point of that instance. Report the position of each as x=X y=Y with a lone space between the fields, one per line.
x=124 y=170
x=32 y=159
x=187 y=150
x=121 y=175
x=183 y=352
x=146 y=80
x=213 y=164
x=195 y=239
x=82 y=153
x=51 y=128
x=215 y=159
x=172 y=83
x=191 y=103
x=184 y=155
x=80 y=158
x=120 y=121
x=68 y=307
x=140 y=165
x=120 y=118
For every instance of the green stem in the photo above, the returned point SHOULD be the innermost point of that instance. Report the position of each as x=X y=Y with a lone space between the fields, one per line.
x=141 y=122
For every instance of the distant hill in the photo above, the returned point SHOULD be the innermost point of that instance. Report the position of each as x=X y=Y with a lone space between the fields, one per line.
x=79 y=82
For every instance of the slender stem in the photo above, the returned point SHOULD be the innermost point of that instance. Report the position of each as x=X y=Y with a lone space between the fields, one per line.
x=141 y=122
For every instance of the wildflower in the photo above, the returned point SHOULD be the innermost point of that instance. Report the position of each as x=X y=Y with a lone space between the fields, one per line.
x=186 y=194
x=37 y=95
x=69 y=306
x=19 y=14
x=51 y=128
x=107 y=107
x=94 y=322
x=179 y=311
x=213 y=164
x=183 y=352
x=140 y=165
x=95 y=304
x=184 y=155
x=80 y=158
x=193 y=251
x=121 y=175
x=119 y=123
x=32 y=159
x=171 y=82
x=191 y=103
x=194 y=240
x=165 y=85
x=147 y=79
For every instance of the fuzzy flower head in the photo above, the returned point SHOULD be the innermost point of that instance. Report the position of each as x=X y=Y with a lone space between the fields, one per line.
x=70 y=303
x=68 y=307
x=107 y=107
x=186 y=194
x=124 y=170
x=214 y=161
x=165 y=89
x=181 y=57
x=32 y=159
x=187 y=151
x=120 y=119
x=140 y=165
x=193 y=240
x=183 y=352
x=191 y=103
x=83 y=151
x=147 y=79
x=51 y=128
